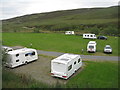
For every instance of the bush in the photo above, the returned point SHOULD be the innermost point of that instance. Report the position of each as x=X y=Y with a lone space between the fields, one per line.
x=36 y=30
x=110 y=31
x=94 y=30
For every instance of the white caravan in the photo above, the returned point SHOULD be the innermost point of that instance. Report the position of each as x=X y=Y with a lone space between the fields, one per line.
x=69 y=32
x=91 y=47
x=20 y=56
x=89 y=36
x=65 y=65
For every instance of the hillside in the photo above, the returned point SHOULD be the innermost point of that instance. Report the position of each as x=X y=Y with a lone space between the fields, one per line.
x=76 y=19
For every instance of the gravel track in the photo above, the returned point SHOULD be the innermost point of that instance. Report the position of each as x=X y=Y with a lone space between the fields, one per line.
x=110 y=58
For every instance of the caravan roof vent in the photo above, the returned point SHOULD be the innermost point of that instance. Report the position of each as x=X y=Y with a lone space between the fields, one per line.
x=65 y=59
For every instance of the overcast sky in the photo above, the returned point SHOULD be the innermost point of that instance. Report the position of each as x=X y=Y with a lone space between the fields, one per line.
x=13 y=8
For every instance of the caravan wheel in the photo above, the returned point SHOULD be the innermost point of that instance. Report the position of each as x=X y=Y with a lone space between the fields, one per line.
x=26 y=62
x=75 y=71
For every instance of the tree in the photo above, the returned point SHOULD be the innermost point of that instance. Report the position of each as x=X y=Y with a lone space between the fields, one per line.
x=4 y=54
x=110 y=31
x=94 y=30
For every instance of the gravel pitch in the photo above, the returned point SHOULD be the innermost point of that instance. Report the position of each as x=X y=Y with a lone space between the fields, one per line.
x=40 y=70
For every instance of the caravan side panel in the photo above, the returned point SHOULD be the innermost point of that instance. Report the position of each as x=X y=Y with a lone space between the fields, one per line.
x=17 y=60
x=23 y=56
x=69 y=33
x=31 y=55
x=72 y=32
x=74 y=65
x=89 y=36
x=84 y=36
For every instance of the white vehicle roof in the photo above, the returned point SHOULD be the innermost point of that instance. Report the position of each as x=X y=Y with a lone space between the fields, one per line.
x=107 y=46
x=6 y=47
x=69 y=31
x=65 y=58
x=21 y=50
x=92 y=42
x=88 y=34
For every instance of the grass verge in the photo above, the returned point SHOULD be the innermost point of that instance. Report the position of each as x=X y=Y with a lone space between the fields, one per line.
x=96 y=75
x=13 y=80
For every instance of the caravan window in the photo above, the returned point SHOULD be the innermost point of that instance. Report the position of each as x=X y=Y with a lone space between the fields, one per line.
x=91 y=46
x=10 y=50
x=26 y=54
x=74 y=62
x=33 y=53
x=17 y=55
x=70 y=67
x=78 y=60
x=91 y=35
x=17 y=60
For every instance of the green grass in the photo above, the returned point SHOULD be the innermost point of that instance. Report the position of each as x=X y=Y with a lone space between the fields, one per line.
x=96 y=75
x=58 y=42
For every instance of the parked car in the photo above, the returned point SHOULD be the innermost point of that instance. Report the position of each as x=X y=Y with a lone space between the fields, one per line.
x=107 y=49
x=102 y=37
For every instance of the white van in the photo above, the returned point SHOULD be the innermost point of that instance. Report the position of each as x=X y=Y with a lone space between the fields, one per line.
x=20 y=56
x=91 y=47
x=69 y=32
x=65 y=65
x=89 y=36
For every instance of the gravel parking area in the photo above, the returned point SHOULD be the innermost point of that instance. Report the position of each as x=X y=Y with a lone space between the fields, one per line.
x=40 y=70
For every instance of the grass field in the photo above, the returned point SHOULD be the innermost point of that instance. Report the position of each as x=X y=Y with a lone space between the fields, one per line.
x=58 y=42
x=94 y=75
